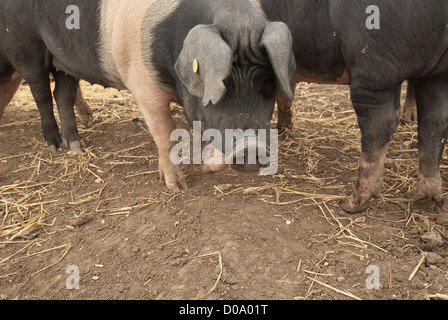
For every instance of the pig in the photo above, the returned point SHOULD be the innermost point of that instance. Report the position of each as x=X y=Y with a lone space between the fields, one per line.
x=409 y=110
x=8 y=90
x=83 y=108
x=373 y=49
x=221 y=60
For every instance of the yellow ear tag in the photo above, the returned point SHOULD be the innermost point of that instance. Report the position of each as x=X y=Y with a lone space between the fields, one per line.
x=195 y=66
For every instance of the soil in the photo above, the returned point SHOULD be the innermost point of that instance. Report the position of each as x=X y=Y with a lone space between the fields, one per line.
x=106 y=217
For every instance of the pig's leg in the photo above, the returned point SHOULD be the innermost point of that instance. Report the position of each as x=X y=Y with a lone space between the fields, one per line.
x=30 y=63
x=432 y=102
x=83 y=108
x=155 y=107
x=410 y=105
x=378 y=120
x=284 y=112
x=8 y=90
x=65 y=95
x=40 y=88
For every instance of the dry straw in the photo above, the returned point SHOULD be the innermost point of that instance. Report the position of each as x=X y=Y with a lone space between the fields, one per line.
x=324 y=150
x=30 y=207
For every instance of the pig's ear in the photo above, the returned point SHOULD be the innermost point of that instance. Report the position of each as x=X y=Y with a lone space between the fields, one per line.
x=204 y=63
x=277 y=41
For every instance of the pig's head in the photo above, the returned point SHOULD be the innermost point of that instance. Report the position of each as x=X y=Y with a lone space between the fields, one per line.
x=230 y=72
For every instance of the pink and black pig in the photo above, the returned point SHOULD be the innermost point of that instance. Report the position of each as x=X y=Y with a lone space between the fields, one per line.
x=221 y=59
x=374 y=46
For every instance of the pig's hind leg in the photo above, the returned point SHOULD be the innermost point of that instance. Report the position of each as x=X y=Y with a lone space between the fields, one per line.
x=40 y=88
x=432 y=110
x=65 y=94
x=83 y=108
x=29 y=59
x=378 y=120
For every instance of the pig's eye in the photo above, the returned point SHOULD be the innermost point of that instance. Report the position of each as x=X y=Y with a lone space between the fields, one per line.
x=269 y=88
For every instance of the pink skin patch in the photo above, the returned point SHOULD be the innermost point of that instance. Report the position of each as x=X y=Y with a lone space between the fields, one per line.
x=369 y=184
x=8 y=90
x=216 y=163
x=367 y=188
x=124 y=42
x=429 y=192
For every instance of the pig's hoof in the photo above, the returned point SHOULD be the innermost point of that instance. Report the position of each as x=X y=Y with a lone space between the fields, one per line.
x=283 y=128
x=86 y=118
x=176 y=187
x=352 y=206
x=76 y=147
x=426 y=204
x=84 y=123
x=406 y=118
x=54 y=142
x=409 y=114
x=284 y=123
x=428 y=199
x=53 y=149
x=174 y=178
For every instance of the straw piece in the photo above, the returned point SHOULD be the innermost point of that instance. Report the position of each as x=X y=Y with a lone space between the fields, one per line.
x=299 y=266
x=348 y=294
x=220 y=265
x=437 y=296
x=16 y=253
x=390 y=276
x=67 y=248
x=417 y=267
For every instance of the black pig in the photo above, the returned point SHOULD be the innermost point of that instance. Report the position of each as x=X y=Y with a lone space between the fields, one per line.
x=335 y=41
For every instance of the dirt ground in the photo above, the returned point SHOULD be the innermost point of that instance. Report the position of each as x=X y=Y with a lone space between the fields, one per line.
x=105 y=216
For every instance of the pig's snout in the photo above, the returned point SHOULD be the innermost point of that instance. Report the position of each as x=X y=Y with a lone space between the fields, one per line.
x=215 y=161
x=245 y=153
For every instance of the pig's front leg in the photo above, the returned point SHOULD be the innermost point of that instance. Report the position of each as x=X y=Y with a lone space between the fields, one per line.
x=284 y=112
x=155 y=108
x=432 y=99
x=65 y=96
